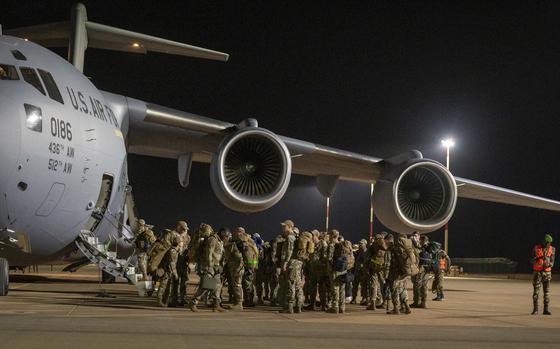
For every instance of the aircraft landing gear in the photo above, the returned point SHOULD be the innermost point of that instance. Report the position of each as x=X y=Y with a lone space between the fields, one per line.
x=4 y=277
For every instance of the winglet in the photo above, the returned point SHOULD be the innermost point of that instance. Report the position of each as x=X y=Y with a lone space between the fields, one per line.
x=79 y=34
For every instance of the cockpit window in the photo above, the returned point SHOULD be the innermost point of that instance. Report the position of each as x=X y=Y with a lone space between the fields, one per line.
x=18 y=55
x=31 y=77
x=50 y=84
x=8 y=72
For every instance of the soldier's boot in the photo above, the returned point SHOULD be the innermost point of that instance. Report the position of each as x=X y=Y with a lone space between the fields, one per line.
x=236 y=307
x=297 y=309
x=422 y=304
x=332 y=310
x=342 y=309
x=289 y=309
x=371 y=306
x=218 y=309
x=414 y=305
x=535 y=308
x=194 y=308
x=407 y=308
x=545 y=310
x=441 y=297
x=395 y=311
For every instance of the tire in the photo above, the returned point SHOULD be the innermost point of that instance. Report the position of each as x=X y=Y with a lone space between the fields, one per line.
x=4 y=277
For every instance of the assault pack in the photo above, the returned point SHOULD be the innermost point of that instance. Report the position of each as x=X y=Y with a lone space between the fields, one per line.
x=404 y=252
x=305 y=246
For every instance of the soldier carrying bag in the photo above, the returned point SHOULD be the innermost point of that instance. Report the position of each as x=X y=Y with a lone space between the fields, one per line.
x=208 y=282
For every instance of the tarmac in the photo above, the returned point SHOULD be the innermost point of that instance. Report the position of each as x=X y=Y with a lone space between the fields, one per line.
x=61 y=310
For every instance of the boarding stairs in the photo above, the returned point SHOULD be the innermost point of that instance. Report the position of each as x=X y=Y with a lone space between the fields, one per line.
x=107 y=261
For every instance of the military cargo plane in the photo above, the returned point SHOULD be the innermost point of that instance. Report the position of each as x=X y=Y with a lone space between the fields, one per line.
x=64 y=190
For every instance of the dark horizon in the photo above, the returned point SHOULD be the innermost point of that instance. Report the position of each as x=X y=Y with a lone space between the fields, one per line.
x=376 y=79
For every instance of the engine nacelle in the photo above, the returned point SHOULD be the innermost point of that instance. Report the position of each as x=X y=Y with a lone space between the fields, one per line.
x=418 y=195
x=251 y=170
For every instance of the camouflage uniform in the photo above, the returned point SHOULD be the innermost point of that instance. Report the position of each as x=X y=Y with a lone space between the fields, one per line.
x=375 y=270
x=183 y=261
x=338 y=282
x=264 y=273
x=167 y=291
x=248 y=249
x=361 y=273
x=302 y=247
x=144 y=239
x=285 y=257
x=210 y=259
x=277 y=296
x=421 y=279
x=416 y=279
x=543 y=262
x=233 y=262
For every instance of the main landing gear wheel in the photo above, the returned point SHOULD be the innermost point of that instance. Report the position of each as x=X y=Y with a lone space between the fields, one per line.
x=4 y=277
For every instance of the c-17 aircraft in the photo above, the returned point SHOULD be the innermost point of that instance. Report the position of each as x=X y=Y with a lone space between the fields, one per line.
x=63 y=148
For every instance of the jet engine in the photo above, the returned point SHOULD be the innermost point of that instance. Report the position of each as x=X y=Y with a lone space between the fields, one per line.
x=251 y=170
x=418 y=195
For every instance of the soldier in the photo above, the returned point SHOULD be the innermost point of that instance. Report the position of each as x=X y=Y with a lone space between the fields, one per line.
x=248 y=249
x=183 y=268
x=284 y=259
x=437 y=284
x=263 y=274
x=543 y=261
x=167 y=291
x=210 y=259
x=302 y=249
x=311 y=272
x=233 y=268
x=277 y=296
x=421 y=279
x=338 y=270
x=397 y=279
x=375 y=269
x=416 y=279
x=361 y=273
x=145 y=237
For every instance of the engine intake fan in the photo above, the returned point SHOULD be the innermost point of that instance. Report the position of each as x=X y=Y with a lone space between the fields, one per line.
x=251 y=170
x=419 y=195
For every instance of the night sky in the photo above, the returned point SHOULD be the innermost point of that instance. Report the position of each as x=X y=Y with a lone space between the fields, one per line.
x=377 y=79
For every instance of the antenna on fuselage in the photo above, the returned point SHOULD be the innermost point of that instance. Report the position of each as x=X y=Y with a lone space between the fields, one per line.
x=79 y=34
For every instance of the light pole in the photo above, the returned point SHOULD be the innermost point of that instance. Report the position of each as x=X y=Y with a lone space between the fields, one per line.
x=448 y=144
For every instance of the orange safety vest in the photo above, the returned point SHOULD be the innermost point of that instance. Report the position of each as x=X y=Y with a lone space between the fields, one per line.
x=538 y=265
x=442 y=264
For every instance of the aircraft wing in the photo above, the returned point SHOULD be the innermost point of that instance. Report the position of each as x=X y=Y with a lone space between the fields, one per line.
x=159 y=131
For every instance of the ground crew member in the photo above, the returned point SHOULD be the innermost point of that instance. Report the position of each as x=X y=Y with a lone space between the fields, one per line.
x=145 y=237
x=234 y=269
x=211 y=253
x=543 y=261
x=443 y=267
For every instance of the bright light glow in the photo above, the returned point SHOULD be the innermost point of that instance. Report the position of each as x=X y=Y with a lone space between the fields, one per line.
x=136 y=45
x=448 y=143
x=26 y=39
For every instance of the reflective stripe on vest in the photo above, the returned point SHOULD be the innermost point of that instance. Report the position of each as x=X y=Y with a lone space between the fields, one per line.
x=538 y=265
x=252 y=262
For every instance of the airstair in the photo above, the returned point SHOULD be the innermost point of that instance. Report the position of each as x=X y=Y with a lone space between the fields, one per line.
x=97 y=253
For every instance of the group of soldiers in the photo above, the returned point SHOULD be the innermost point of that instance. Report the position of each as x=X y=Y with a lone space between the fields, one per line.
x=295 y=270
